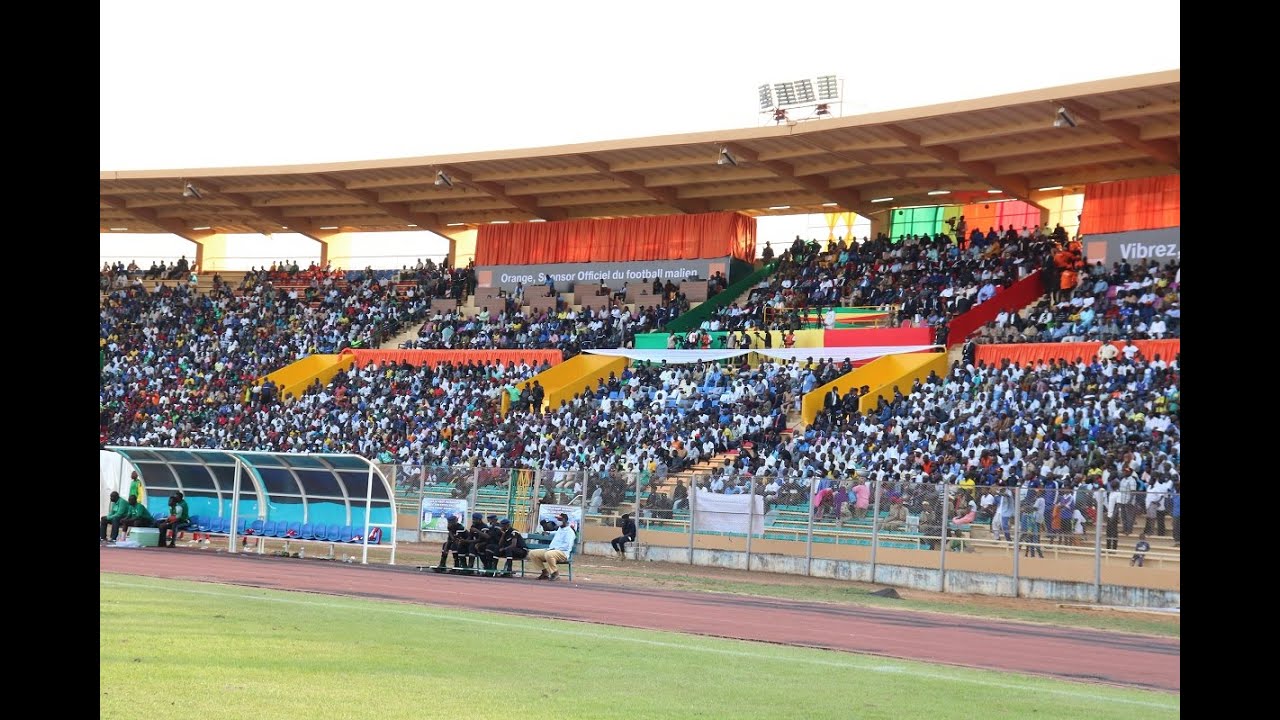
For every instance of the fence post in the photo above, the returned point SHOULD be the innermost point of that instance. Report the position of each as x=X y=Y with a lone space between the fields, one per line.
x=875 y=528
x=1016 y=491
x=751 y=517
x=808 y=541
x=944 y=520
x=1097 y=545
x=693 y=512
x=474 y=495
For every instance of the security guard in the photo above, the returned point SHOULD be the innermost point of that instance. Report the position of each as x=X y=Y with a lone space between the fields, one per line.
x=453 y=544
x=510 y=545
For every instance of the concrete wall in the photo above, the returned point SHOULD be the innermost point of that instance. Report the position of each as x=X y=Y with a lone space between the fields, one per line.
x=915 y=578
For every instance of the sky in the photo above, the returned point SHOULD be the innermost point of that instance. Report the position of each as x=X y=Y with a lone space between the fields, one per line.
x=187 y=85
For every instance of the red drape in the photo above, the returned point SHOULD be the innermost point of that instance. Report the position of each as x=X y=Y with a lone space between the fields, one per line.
x=1019 y=295
x=1023 y=353
x=875 y=337
x=431 y=358
x=1142 y=204
x=662 y=237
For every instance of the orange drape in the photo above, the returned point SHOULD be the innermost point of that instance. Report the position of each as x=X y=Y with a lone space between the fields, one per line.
x=431 y=358
x=1142 y=204
x=662 y=237
x=1022 y=353
x=986 y=216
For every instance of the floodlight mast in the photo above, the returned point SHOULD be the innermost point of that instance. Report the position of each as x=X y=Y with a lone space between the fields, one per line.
x=784 y=102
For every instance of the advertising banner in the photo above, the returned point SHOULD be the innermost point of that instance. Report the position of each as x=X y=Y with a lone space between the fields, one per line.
x=614 y=274
x=1161 y=246
x=549 y=512
x=435 y=512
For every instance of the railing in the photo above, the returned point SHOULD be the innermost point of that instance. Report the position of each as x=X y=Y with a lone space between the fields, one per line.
x=897 y=529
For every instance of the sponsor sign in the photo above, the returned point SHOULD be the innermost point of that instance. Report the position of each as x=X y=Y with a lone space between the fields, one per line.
x=614 y=274
x=1161 y=246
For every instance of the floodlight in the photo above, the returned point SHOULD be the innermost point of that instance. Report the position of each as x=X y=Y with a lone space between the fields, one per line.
x=1063 y=119
x=726 y=158
x=785 y=93
x=191 y=191
x=803 y=91
x=443 y=180
x=766 y=97
x=828 y=87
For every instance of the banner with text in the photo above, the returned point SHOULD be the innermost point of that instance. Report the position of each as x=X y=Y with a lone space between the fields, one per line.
x=1160 y=246
x=436 y=512
x=614 y=274
x=549 y=512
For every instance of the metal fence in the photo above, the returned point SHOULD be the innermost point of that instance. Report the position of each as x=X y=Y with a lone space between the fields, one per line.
x=874 y=531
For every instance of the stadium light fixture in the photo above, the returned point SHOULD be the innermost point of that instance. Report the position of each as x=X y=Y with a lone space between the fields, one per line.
x=726 y=158
x=191 y=191
x=1063 y=119
x=881 y=199
x=939 y=192
x=443 y=180
x=1051 y=187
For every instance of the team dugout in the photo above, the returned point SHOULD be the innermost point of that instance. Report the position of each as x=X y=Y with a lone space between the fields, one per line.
x=280 y=489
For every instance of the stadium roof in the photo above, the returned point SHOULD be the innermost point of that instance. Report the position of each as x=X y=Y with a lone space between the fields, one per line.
x=1119 y=128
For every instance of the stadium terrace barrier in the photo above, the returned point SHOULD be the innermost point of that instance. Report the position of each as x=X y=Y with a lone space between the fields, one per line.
x=724 y=298
x=1024 y=353
x=1017 y=296
x=882 y=375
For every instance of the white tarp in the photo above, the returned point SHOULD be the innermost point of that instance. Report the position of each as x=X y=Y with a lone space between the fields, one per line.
x=113 y=475
x=727 y=513
x=673 y=357
x=679 y=357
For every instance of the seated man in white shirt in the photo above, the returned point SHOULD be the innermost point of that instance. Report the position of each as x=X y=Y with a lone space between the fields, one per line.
x=560 y=550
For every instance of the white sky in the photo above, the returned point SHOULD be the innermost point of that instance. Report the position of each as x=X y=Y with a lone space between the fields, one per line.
x=233 y=82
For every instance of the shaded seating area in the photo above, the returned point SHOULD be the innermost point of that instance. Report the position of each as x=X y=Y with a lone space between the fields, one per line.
x=325 y=498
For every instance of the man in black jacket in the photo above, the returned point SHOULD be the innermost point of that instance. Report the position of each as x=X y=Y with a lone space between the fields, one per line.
x=628 y=535
x=453 y=543
x=510 y=545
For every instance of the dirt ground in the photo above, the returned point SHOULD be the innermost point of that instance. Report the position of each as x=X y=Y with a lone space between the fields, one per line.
x=675 y=576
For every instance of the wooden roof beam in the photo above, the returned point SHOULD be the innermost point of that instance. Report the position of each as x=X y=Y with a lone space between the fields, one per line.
x=666 y=196
x=1014 y=185
x=1166 y=151
x=151 y=217
x=494 y=190
x=398 y=210
x=244 y=202
x=848 y=200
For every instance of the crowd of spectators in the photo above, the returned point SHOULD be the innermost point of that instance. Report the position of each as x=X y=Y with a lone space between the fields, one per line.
x=175 y=361
x=921 y=280
x=1134 y=302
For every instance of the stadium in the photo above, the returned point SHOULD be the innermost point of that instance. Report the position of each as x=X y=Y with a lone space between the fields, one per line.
x=615 y=392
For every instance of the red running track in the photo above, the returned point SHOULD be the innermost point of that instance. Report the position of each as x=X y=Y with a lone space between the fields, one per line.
x=1063 y=652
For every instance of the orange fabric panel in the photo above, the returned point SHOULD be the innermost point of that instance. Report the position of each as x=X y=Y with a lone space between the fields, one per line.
x=1142 y=204
x=431 y=358
x=662 y=237
x=1023 y=353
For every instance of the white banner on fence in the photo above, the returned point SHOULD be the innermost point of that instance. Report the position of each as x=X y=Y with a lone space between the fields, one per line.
x=714 y=512
x=677 y=357
x=549 y=512
x=435 y=512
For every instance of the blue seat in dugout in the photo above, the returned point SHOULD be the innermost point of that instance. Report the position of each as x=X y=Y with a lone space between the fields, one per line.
x=305 y=531
x=269 y=528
